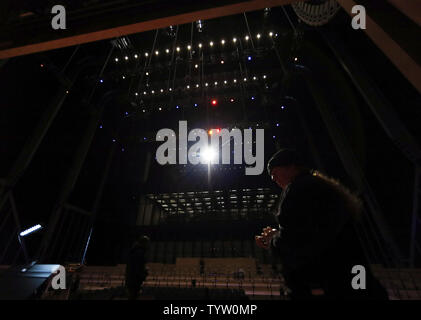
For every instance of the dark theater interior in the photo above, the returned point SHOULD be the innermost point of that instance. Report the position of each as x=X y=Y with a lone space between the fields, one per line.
x=85 y=198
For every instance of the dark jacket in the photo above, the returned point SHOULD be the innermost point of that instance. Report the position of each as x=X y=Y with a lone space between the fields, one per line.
x=136 y=271
x=317 y=242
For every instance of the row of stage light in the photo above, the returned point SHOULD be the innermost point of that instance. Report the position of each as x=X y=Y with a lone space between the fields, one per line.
x=207 y=152
x=197 y=85
x=189 y=47
x=213 y=102
x=218 y=130
x=151 y=138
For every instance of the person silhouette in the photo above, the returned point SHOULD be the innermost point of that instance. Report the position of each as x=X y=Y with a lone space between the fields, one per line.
x=316 y=239
x=136 y=271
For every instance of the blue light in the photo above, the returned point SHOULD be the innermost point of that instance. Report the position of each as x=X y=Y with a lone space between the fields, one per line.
x=177 y=107
x=249 y=58
x=252 y=98
x=100 y=126
x=282 y=107
x=195 y=104
x=126 y=113
x=273 y=137
x=122 y=149
x=101 y=81
x=277 y=124
x=144 y=138
x=113 y=140
x=30 y=230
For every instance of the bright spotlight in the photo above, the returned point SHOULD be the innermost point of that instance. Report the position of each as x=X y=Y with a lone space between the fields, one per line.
x=208 y=155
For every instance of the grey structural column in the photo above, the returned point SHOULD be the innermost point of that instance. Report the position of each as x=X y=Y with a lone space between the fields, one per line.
x=32 y=144
x=97 y=201
x=70 y=182
x=349 y=161
x=385 y=115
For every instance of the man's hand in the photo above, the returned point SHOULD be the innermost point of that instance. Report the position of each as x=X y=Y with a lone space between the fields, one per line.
x=263 y=241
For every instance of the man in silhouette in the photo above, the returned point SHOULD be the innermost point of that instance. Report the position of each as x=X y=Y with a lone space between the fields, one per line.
x=136 y=271
x=202 y=266
x=316 y=239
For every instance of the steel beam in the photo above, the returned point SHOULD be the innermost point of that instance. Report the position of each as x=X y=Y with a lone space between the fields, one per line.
x=411 y=8
x=112 y=24
x=70 y=182
x=349 y=161
x=396 y=54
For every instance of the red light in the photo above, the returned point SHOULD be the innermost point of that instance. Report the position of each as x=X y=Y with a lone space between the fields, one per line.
x=212 y=131
x=232 y=100
x=214 y=102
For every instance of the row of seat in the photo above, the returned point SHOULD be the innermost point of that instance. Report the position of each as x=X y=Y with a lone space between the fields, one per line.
x=164 y=293
x=193 y=266
x=400 y=283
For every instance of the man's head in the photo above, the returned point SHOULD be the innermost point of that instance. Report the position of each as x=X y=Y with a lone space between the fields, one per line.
x=284 y=166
